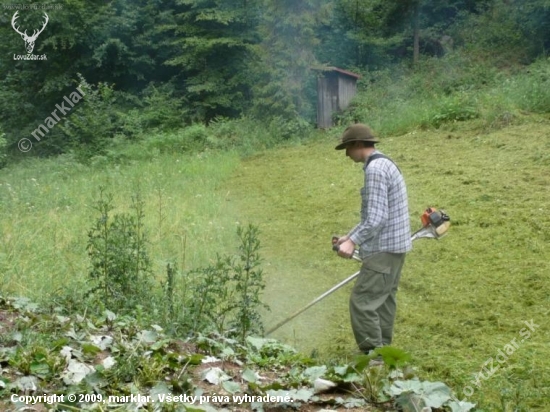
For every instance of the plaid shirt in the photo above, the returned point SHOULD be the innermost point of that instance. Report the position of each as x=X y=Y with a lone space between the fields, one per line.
x=385 y=225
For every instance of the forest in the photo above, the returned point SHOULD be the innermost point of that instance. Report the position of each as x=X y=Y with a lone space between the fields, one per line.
x=164 y=65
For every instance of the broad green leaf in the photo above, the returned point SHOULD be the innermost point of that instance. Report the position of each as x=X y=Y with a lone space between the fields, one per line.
x=314 y=372
x=90 y=349
x=60 y=343
x=75 y=372
x=250 y=376
x=195 y=359
x=109 y=316
x=354 y=403
x=460 y=406
x=411 y=402
x=341 y=370
x=95 y=380
x=231 y=387
x=400 y=387
x=214 y=376
x=361 y=362
x=302 y=395
x=352 y=377
x=227 y=352
x=148 y=336
x=257 y=343
x=40 y=369
x=433 y=394
x=160 y=344
x=159 y=389
x=436 y=394
x=393 y=356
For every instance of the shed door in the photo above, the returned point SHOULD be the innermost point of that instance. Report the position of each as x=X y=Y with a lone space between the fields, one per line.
x=327 y=100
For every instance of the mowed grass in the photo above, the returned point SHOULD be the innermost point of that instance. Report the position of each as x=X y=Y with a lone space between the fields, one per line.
x=47 y=211
x=463 y=300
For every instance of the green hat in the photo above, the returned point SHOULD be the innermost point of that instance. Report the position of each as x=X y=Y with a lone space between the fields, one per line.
x=355 y=133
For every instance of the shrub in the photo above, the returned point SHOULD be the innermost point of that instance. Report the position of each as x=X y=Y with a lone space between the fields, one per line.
x=93 y=122
x=455 y=109
x=155 y=109
x=225 y=296
x=192 y=138
x=120 y=267
x=531 y=89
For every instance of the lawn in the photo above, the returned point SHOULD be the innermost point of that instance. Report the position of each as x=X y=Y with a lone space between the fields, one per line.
x=464 y=298
x=473 y=307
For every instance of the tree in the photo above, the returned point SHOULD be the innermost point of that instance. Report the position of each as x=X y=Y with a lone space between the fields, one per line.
x=288 y=32
x=380 y=31
x=213 y=54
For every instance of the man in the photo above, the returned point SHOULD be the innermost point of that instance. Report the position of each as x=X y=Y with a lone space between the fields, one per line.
x=383 y=237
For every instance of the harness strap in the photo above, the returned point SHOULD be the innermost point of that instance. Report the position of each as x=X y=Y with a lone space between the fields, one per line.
x=380 y=156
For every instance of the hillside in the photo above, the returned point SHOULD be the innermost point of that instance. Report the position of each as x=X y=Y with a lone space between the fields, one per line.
x=462 y=299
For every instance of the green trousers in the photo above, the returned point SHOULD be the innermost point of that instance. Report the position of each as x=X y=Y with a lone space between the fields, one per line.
x=373 y=303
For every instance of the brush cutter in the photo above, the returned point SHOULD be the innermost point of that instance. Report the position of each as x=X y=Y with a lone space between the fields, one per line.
x=435 y=223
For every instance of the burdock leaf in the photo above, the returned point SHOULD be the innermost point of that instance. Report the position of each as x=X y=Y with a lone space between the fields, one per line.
x=231 y=387
x=250 y=376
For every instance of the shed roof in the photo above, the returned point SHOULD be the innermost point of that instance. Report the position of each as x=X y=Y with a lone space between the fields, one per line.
x=341 y=71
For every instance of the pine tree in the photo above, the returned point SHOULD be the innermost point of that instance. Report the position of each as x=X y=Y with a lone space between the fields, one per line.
x=288 y=32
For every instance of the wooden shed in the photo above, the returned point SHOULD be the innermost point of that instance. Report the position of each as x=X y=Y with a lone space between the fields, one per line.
x=335 y=89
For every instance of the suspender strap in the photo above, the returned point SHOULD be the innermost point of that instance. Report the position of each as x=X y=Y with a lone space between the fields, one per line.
x=380 y=156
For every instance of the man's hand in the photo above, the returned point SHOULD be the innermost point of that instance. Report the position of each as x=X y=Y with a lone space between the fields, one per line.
x=347 y=247
x=341 y=240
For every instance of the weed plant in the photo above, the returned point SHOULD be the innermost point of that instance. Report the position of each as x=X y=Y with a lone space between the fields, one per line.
x=224 y=297
x=120 y=274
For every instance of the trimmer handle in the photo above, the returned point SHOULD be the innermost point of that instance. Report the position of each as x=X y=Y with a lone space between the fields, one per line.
x=335 y=247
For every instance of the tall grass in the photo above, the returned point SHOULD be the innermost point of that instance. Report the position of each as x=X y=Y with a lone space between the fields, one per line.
x=442 y=92
x=47 y=208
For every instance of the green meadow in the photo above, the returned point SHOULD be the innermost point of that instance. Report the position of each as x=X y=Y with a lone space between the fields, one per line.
x=464 y=299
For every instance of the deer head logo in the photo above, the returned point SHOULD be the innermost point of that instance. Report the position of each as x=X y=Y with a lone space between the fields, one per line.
x=29 y=40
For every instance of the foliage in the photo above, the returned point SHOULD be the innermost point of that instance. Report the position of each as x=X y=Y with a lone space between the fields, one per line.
x=213 y=53
x=120 y=267
x=225 y=296
x=109 y=357
x=286 y=56
x=495 y=34
x=454 y=109
x=3 y=150
x=93 y=122
x=160 y=67
x=249 y=284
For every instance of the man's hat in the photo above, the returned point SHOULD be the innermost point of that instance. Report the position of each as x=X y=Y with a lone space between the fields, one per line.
x=354 y=133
